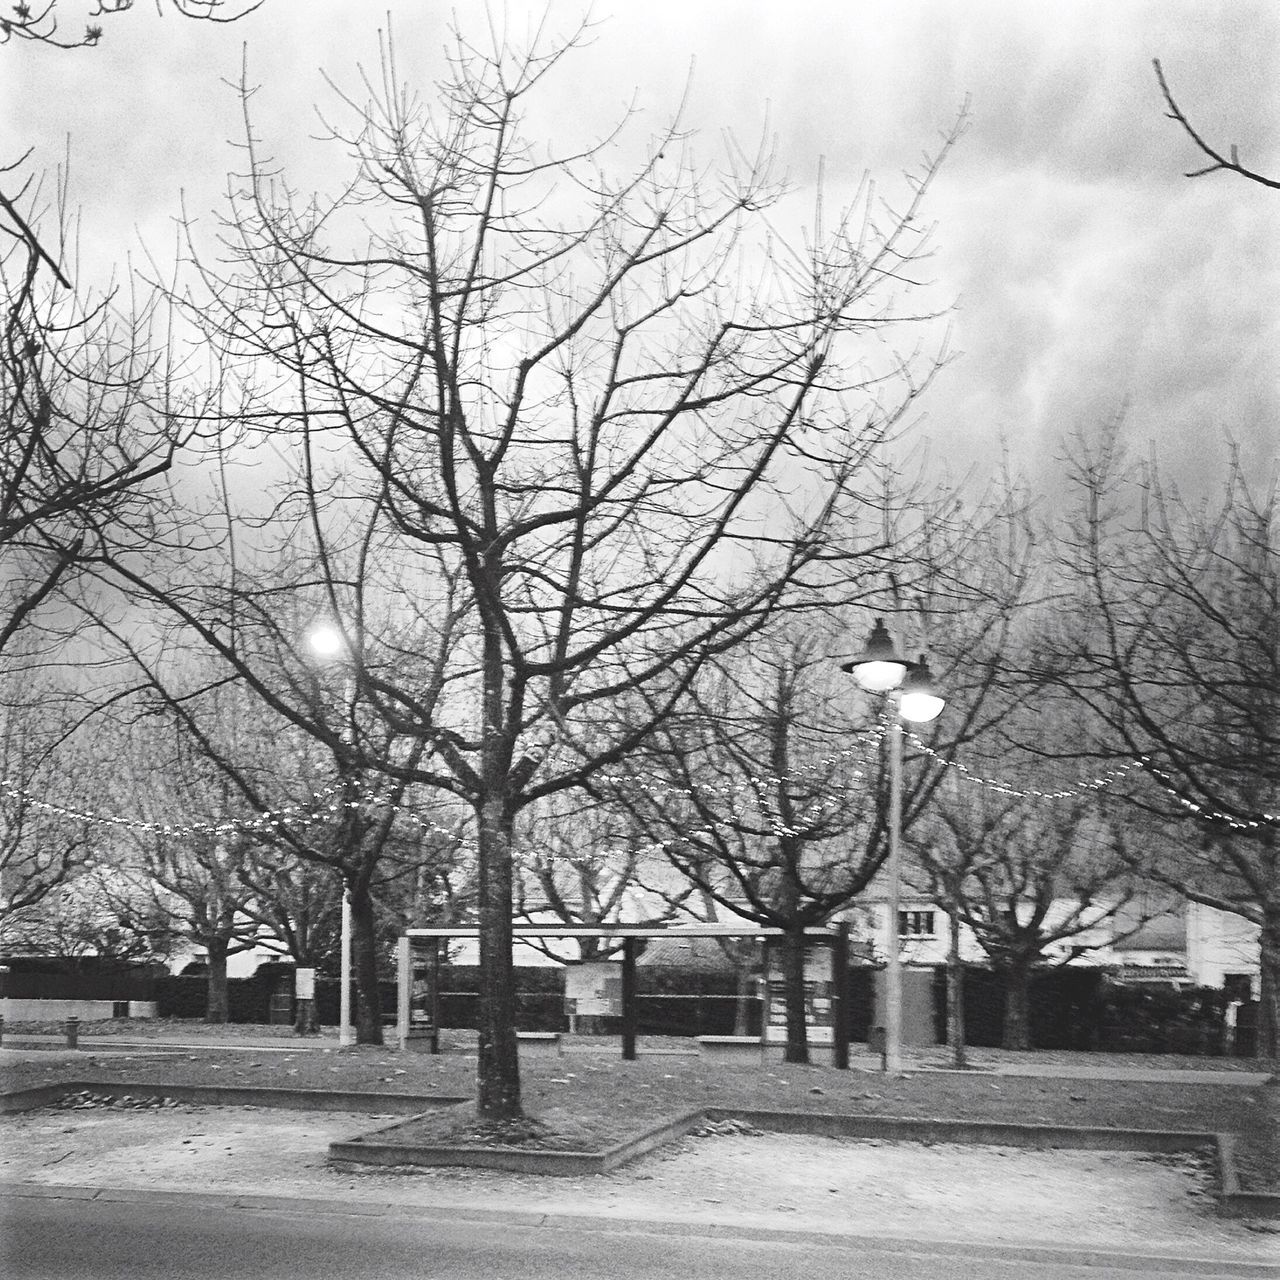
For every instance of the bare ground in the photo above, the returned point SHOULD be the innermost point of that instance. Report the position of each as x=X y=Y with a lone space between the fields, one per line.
x=1080 y=1199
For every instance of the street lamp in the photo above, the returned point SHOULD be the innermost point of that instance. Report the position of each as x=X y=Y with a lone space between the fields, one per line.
x=329 y=645
x=880 y=669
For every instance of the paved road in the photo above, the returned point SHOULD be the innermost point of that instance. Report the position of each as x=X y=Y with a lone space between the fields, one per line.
x=198 y=1238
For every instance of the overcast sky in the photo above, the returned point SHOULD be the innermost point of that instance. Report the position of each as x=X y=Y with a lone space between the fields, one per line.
x=1089 y=276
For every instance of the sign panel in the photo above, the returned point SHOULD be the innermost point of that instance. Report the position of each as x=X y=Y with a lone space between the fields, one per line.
x=594 y=989
x=304 y=984
x=818 y=1004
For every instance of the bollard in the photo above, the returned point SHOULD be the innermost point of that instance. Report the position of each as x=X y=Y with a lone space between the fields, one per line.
x=72 y=1028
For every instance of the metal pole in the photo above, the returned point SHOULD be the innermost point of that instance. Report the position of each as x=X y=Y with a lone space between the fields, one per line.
x=629 y=999
x=893 y=948
x=404 y=988
x=840 y=996
x=345 y=1036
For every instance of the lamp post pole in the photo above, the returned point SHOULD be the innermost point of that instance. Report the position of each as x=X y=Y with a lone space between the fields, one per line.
x=908 y=685
x=893 y=942
x=345 y=1034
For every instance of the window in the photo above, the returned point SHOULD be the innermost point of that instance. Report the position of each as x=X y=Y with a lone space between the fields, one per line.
x=915 y=924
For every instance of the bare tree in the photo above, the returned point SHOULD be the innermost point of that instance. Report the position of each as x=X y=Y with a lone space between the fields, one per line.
x=189 y=838
x=1038 y=882
x=1173 y=640
x=556 y=436
x=304 y=817
x=42 y=841
x=584 y=861
x=107 y=908
x=90 y=421
x=39 y=22
x=1230 y=162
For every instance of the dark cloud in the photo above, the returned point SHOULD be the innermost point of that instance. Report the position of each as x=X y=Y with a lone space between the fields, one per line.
x=1091 y=276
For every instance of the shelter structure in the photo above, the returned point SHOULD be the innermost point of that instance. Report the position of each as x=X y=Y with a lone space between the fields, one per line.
x=418 y=956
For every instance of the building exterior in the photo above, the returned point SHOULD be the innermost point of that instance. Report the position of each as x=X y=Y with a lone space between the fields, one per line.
x=1187 y=944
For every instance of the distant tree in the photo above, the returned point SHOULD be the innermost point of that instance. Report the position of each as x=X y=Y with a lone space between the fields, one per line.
x=42 y=840
x=771 y=792
x=302 y=820
x=1038 y=882
x=759 y=797
x=39 y=22
x=1229 y=162
x=581 y=860
x=186 y=834
x=105 y=908
x=1171 y=637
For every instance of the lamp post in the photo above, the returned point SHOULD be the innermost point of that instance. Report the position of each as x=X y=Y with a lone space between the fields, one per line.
x=879 y=668
x=329 y=645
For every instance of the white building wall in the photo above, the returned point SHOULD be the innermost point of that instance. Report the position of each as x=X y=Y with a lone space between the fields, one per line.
x=1219 y=943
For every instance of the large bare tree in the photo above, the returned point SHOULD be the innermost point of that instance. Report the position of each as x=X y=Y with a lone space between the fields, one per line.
x=543 y=432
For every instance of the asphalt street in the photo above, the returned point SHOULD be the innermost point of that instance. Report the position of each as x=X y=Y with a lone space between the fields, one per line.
x=196 y=1238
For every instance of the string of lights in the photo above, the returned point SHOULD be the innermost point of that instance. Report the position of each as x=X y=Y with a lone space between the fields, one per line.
x=1099 y=782
x=323 y=806
x=1207 y=812
x=326 y=804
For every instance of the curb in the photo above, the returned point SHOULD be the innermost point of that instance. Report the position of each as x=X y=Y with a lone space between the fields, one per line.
x=230 y=1096
x=973 y=1132
x=1233 y=1201
x=1047 y=1253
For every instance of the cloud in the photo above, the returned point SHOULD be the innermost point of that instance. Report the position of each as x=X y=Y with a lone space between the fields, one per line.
x=1090 y=274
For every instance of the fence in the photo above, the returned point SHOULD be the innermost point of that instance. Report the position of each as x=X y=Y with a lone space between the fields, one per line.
x=1069 y=1008
x=125 y=985
x=1082 y=1009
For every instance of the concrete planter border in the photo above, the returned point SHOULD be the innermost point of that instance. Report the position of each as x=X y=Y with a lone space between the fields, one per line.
x=228 y=1096
x=376 y=1147
x=379 y=1147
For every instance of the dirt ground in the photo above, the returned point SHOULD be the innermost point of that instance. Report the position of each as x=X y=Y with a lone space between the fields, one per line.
x=1081 y=1199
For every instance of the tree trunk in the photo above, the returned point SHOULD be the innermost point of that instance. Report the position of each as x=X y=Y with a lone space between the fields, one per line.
x=1269 y=993
x=306 y=1023
x=364 y=947
x=498 y=1064
x=793 y=995
x=216 y=999
x=955 y=997
x=1017 y=1006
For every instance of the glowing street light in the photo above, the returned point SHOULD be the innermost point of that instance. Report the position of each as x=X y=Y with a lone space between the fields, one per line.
x=879 y=668
x=329 y=645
